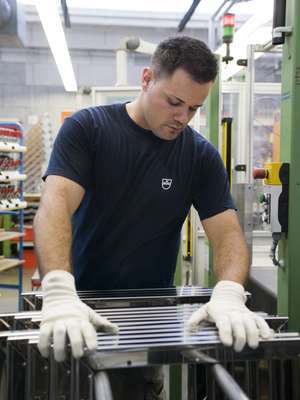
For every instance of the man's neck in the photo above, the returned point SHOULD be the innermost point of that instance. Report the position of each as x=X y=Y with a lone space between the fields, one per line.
x=135 y=112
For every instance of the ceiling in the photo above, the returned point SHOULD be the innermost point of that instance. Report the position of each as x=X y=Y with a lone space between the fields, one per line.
x=205 y=6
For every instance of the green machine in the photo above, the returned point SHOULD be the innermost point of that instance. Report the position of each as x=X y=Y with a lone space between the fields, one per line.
x=289 y=274
x=213 y=128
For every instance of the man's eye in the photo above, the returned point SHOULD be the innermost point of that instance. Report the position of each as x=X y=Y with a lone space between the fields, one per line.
x=173 y=102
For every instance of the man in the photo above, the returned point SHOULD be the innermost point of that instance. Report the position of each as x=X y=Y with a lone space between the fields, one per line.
x=119 y=185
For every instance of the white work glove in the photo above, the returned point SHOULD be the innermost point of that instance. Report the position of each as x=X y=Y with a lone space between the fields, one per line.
x=64 y=314
x=235 y=322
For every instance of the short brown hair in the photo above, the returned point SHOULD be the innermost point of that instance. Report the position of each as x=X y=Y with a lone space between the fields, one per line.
x=190 y=54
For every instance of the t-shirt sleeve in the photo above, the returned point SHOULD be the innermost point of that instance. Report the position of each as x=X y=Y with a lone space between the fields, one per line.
x=212 y=191
x=71 y=156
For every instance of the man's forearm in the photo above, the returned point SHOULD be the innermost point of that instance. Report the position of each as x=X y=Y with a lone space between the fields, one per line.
x=231 y=257
x=53 y=234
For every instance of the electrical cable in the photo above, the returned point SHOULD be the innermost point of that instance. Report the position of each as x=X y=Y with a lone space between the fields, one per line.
x=188 y=15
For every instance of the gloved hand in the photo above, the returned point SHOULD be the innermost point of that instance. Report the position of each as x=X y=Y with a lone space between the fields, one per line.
x=64 y=314
x=235 y=322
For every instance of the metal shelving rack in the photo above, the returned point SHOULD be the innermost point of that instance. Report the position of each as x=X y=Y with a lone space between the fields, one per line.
x=11 y=196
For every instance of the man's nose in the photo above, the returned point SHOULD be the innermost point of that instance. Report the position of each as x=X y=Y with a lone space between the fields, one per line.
x=182 y=117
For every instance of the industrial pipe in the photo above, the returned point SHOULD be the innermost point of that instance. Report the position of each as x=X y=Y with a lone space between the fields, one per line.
x=5 y=12
x=130 y=44
x=225 y=381
x=102 y=386
x=140 y=46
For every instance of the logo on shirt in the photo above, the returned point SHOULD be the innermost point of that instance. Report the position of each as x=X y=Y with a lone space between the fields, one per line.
x=166 y=183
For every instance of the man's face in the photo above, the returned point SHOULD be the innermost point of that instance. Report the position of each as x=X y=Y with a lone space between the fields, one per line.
x=169 y=103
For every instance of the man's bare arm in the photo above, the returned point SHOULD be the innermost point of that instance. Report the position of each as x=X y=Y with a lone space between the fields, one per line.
x=230 y=252
x=63 y=313
x=52 y=224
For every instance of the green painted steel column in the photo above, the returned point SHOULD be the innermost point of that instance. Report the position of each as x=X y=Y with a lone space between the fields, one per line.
x=289 y=276
x=213 y=122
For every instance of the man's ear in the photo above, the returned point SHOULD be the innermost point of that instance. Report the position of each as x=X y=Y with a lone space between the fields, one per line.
x=147 y=78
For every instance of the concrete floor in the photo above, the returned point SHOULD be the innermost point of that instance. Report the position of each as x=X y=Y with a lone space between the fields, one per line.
x=9 y=298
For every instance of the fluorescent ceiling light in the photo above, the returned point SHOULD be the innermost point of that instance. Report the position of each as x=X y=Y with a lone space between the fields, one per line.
x=256 y=30
x=51 y=22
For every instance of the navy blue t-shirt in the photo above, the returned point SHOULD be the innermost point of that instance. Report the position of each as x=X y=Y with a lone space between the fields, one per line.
x=138 y=191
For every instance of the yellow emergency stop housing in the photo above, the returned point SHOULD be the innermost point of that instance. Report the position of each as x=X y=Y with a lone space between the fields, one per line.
x=187 y=251
x=273 y=169
x=227 y=147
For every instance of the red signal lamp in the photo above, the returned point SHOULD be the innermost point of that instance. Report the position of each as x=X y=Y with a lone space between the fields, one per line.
x=228 y=19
